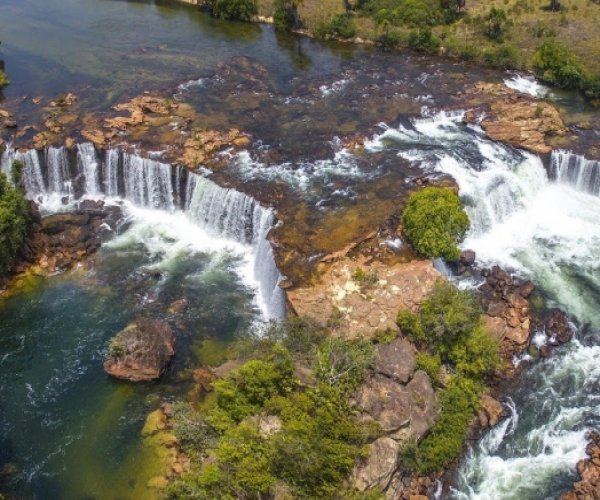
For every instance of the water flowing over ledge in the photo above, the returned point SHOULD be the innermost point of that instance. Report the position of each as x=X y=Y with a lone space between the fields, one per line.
x=543 y=223
x=57 y=176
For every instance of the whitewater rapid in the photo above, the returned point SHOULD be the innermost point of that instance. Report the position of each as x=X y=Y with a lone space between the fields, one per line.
x=543 y=224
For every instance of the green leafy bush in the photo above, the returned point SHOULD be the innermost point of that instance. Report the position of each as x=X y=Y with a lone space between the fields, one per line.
x=341 y=26
x=389 y=39
x=558 y=66
x=285 y=17
x=403 y=12
x=496 y=21
x=446 y=438
x=3 y=79
x=503 y=56
x=243 y=392
x=14 y=219
x=234 y=10
x=431 y=364
x=194 y=434
x=423 y=39
x=342 y=363
x=434 y=221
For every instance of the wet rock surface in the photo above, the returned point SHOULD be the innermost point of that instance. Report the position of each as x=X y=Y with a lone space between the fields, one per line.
x=588 y=485
x=141 y=352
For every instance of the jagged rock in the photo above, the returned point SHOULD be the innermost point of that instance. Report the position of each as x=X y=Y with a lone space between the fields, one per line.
x=490 y=412
x=557 y=326
x=523 y=123
x=397 y=360
x=179 y=306
x=141 y=351
x=588 y=486
x=402 y=411
x=467 y=257
x=363 y=312
x=377 y=468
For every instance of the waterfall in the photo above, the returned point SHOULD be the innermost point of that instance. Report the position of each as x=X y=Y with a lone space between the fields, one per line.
x=223 y=213
x=545 y=227
x=576 y=171
x=111 y=173
x=59 y=180
x=148 y=182
x=88 y=166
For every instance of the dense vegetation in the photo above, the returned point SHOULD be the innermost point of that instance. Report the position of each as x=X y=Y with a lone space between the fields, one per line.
x=512 y=34
x=3 y=78
x=434 y=221
x=14 y=218
x=314 y=443
x=448 y=330
x=234 y=10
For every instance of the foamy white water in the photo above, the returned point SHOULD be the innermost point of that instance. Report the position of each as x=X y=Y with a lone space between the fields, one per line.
x=173 y=210
x=548 y=229
x=526 y=84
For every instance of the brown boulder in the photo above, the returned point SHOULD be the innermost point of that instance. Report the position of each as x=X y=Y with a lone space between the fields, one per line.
x=588 y=486
x=397 y=360
x=377 y=468
x=491 y=412
x=557 y=326
x=402 y=411
x=141 y=351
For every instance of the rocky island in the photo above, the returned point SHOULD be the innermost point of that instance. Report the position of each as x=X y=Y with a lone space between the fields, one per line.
x=309 y=249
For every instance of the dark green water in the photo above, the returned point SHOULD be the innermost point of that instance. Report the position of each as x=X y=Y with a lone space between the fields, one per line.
x=66 y=429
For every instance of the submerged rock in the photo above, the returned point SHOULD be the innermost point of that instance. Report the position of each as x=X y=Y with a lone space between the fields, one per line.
x=141 y=351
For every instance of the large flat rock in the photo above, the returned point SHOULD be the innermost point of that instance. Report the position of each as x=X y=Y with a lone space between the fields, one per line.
x=364 y=309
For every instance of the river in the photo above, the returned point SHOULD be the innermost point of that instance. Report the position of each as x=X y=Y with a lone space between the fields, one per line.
x=66 y=429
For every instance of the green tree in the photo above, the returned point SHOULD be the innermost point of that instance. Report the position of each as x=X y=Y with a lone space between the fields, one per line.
x=434 y=221
x=496 y=23
x=14 y=220
x=286 y=15
x=234 y=10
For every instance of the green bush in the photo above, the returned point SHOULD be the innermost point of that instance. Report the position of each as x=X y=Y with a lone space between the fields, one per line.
x=285 y=17
x=434 y=221
x=496 y=21
x=342 y=363
x=14 y=219
x=446 y=317
x=503 y=56
x=3 y=79
x=423 y=40
x=403 y=12
x=194 y=434
x=341 y=26
x=389 y=39
x=558 y=66
x=476 y=356
x=431 y=364
x=234 y=10
x=445 y=440
x=243 y=392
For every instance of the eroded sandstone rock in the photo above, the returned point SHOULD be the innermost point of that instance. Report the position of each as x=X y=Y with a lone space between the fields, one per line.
x=377 y=468
x=364 y=309
x=141 y=351
x=588 y=486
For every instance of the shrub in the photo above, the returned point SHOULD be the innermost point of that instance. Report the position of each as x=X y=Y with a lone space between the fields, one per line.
x=194 y=434
x=246 y=389
x=285 y=17
x=496 y=23
x=341 y=26
x=434 y=222
x=14 y=219
x=431 y=364
x=404 y=12
x=389 y=39
x=234 y=10
x=342 y=363
x=504 y=56
x=447 y=316
x=3 y=79
x=424 y=40
x=446 y=438
x=558 y=66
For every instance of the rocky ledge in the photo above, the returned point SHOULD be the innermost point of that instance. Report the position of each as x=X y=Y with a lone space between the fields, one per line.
x=588 y=486
x=513 y=118
x=141 y=351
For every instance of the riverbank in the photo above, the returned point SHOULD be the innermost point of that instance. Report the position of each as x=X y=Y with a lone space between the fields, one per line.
x=513 y=34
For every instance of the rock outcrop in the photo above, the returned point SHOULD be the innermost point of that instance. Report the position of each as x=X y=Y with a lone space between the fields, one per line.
x=588 y=486
x=365 y=298
x=510 y=117
x=141 y=351
x=403 y=404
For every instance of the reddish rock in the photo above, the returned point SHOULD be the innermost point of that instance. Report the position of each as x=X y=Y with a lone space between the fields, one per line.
x=140 y=352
